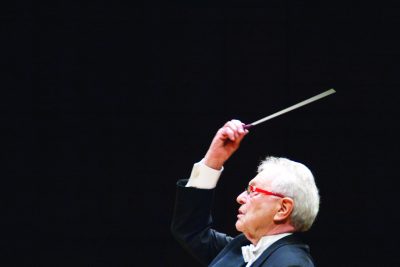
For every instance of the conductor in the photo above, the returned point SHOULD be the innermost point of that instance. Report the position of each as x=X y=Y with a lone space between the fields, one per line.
x=280 y=201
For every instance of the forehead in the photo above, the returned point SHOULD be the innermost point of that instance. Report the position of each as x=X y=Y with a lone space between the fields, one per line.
x=262 y=179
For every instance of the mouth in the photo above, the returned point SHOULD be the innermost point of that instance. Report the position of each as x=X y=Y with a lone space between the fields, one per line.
x=240 y=213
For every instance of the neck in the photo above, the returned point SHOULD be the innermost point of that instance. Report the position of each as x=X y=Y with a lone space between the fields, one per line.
x=281 y=229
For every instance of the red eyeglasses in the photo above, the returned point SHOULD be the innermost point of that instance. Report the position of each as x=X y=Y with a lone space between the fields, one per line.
x=250 y=189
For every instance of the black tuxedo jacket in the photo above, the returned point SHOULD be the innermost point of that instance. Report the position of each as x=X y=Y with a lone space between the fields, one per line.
x=191 y=226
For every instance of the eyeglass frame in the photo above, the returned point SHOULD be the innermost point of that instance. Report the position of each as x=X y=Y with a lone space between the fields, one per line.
x=251 y=188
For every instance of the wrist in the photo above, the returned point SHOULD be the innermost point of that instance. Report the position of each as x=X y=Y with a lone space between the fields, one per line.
x=213 y=163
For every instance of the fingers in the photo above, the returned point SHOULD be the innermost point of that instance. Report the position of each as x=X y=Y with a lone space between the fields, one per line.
x=234 y=130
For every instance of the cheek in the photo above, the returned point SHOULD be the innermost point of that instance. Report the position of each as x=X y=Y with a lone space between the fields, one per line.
x=260 y=212
x=252 y=214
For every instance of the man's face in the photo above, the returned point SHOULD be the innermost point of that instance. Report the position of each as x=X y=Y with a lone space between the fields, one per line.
x=257 y=210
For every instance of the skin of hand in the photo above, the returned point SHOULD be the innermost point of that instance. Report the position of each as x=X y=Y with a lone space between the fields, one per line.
x=225 y=143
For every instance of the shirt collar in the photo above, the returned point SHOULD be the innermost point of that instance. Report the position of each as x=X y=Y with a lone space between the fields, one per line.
x=251 y=252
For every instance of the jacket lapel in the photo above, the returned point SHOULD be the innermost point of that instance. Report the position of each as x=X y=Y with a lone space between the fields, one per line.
x=231 y=255
x=287 y=240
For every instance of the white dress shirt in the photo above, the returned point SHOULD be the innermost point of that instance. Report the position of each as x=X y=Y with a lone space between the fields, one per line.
x=251 y=252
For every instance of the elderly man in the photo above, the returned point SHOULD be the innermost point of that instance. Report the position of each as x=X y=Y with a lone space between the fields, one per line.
x=281 y=200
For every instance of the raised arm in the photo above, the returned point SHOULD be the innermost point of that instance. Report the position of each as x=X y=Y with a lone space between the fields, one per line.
x=192 y=221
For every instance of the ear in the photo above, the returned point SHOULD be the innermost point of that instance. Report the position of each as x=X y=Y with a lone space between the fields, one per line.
x=286 y=208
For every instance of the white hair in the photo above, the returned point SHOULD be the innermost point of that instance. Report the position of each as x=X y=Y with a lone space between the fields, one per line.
x=294 y=180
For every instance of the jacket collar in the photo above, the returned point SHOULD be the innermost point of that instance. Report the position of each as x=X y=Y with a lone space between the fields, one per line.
x=287 y=240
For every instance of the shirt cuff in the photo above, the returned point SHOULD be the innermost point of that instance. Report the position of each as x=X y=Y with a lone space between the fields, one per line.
x=204 y=177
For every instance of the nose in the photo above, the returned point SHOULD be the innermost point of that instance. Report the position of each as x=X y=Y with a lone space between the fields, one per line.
x=241 y=199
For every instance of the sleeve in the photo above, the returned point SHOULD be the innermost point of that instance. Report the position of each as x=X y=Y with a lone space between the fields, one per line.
x=203 y=176
x=192 y=221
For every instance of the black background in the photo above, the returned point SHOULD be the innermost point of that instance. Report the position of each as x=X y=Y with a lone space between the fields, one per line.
x=107 y=104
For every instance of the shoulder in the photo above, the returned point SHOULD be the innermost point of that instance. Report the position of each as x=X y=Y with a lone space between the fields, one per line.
x=288 y=251
x=292 y=255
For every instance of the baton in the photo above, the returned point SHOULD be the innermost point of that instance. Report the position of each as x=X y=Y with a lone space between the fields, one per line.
x=302 y=103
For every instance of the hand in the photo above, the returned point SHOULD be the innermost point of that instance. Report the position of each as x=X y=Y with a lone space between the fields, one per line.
x=225 y=143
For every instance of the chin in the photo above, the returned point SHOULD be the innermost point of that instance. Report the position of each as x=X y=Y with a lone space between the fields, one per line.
x=239 y=226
